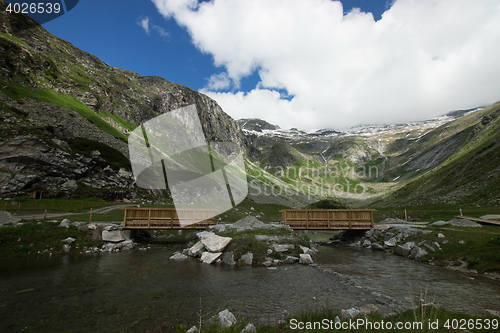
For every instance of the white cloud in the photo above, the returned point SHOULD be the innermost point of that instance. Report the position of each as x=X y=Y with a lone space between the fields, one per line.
x=162 y=32
x=144 y=23
x=421 y=59
x=218 y=82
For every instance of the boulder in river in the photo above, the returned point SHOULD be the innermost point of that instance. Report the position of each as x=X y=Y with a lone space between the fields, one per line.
x=307 y=250
x=210 y=257
x=197 y=249
x=228 y=258
x=178 y=256
x=378 y=247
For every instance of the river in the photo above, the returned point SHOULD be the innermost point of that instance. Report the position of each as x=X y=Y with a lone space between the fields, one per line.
x=139 y=291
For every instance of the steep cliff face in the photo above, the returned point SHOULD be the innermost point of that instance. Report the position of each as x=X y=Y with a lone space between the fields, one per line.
x=54 y=96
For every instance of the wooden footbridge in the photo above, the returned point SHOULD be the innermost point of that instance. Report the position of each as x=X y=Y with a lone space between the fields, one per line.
x=314 y=219
x=328 y=219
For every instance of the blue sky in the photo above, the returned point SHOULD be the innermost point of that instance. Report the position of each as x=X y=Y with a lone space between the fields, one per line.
x=333 y=67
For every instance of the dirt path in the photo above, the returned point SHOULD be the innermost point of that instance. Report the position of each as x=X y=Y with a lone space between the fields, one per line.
x=53 y=215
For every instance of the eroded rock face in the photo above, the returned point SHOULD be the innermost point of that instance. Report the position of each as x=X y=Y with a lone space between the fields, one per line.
x=36 y=164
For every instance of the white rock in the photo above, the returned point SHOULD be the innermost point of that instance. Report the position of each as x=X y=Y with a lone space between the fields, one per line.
x=291 y=260
x=192 y=330
x=349 y=313
x=283 y=247
x=91 y=226
x=115 y=235
x=214 y=243
x=247 y=258
x=305 y=259
x=203 y=234
x=178 y=256
x=64 y=223
x=226 y=318
x=250 y=328
x=391 y=242
x=68 y=240
x=197 y=249
x=127 y=244
x=307 y=250
x=440 y=235
x=66 y=248
x=209 y=257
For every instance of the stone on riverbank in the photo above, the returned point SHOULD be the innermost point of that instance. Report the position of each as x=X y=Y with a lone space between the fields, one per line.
x=69 y=240
x=417 y=253
x=209 y=257
x=197 y=249
x=283 y=247
x=66 y=248
x=250 y=328
x=305 y=259
x=391 y=242
x=291 y=260
x=226 y=318
x=247 y=258
x=307 y=250
x=369 y=309
x=214 y=243
x=203 y=234
x=228 y=259
x=349 y=313
x=115 y=236
x=405 y=249
x=377 y=247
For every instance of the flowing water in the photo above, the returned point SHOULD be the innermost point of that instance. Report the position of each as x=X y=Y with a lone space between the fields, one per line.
x=139 y=291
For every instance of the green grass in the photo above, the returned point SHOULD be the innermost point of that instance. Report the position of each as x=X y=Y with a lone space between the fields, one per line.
x=62 y=100
x=123 y=123
x=433 y=212
x=52 y=205
x=13 y=38
x=32 y=237
x=481 y=249
x=319 y=315
x=111 y=155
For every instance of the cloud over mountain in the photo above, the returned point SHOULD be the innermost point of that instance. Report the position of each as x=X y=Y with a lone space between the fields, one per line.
x=420 y=59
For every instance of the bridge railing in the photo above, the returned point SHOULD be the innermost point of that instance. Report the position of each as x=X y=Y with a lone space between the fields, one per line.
x=167 y=218
x=334 y=219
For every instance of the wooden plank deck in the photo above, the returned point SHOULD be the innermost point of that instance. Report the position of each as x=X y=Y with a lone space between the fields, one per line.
x=478 y=220
x=328 y=219
x=167 y=218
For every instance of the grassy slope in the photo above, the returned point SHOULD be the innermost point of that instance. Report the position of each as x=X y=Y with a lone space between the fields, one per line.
x=469 y=176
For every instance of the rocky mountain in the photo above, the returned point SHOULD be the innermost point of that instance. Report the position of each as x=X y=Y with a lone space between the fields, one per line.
x=450 y=159
x=257 y=125
x=66 y=114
